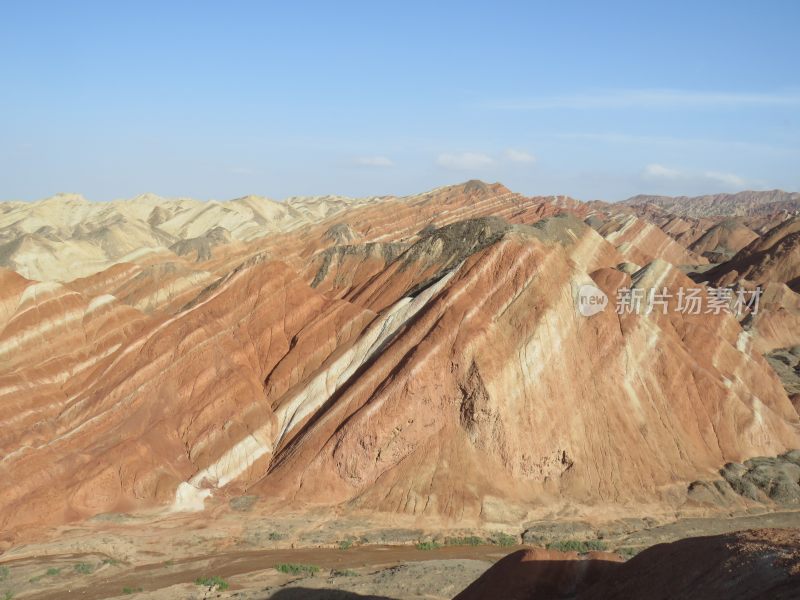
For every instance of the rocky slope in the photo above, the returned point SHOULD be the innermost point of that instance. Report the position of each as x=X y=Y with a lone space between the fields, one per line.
x=750 y=240
x=770 y=263
x=721 y=241
x=772 y=257
x=640 y=242
x=417 y=356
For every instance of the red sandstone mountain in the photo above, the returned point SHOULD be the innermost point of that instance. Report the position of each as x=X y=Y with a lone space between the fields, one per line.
x=751 y=239
x=774 y=256
x=715 y=226
x=419 y=355
x=640 y=241
x=723 y=240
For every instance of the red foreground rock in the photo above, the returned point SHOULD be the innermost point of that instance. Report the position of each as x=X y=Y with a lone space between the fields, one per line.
x=750 y=565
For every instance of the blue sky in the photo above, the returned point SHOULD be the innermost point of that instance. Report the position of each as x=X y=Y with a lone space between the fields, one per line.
x=217 y=100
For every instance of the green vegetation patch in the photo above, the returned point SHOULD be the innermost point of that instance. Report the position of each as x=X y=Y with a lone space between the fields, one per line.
x=111 y=561
x=469 y=540
x=51 y=572
x=295 y=569
x=213 y=582
x=428 y=545
x=130 y=590
x=580 y=546
x=628 y=552
x=503 y=539
x=84 y=568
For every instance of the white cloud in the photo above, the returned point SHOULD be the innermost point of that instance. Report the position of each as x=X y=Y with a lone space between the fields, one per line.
x=730 y=179
x=651 y=98
x=656 y=171
x=520 y=156
x=659 y=173
x=374 y=161
x=464 y=161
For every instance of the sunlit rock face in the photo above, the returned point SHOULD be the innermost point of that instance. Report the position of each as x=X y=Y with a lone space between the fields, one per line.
x=422 y=355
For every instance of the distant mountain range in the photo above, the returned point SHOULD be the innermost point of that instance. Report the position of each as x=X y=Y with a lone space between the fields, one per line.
x=66 y=236
x=748 y=203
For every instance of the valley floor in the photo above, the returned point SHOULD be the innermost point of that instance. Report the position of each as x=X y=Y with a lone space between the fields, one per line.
x=381 y=571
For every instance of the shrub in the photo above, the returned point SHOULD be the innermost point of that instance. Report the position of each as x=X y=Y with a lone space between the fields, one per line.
x=294 y=569
x=579 y=546
x=343 y=573
x=470 y=540
x=212 y=582
x=428 y=545
x=130 y=590
x=51 y=572
x=504 y=539
x=4 y=572
x=628 y=552
x=275 y=536
x=345 y=544
x=84 y=568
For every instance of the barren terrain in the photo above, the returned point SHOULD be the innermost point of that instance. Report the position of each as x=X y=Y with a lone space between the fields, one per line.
x=401 y=387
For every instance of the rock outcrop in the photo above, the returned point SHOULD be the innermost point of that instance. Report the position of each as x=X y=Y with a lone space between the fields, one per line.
x=750 y=565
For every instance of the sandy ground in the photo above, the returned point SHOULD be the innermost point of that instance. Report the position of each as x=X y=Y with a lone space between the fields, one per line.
x=130 y=557
x=384 y=572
